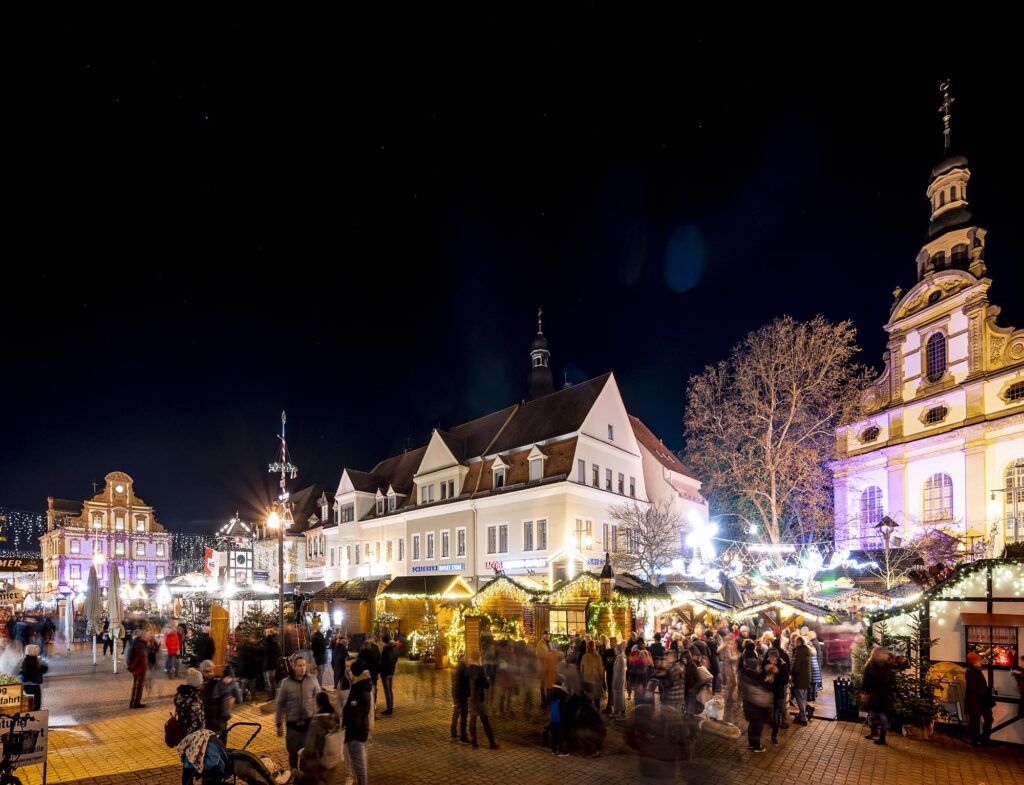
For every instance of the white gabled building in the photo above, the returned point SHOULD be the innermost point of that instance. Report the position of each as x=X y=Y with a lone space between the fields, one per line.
x=941 y=440
x=507 y=491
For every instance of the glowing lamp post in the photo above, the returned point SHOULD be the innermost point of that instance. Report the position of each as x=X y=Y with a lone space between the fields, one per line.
x=275 y=524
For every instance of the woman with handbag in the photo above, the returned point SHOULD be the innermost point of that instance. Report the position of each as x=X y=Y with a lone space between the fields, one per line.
x=321 y=754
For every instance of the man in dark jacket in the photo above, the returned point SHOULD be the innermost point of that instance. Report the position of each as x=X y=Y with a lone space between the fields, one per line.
x=977 y=702
x=339 y=661
x=271 y=655
x=138 y=664
x=205 y=646
x=711 y=640
x=355 y=718
x=801 y=676
x=388 y=662
x=318 y=645
x=370 y=654
x=878 y=686
x=778 y=671
x=478 y=685
x=608 y=660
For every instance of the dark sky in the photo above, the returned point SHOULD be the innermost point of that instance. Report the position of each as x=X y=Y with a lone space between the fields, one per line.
x=212 y=221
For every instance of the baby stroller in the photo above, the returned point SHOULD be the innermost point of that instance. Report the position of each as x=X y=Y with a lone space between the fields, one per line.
x=245 y=767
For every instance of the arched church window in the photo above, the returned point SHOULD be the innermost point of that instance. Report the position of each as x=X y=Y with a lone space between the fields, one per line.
x=935 y=356
x=939 y=260
x=960 y=255
x=870 y=513
x=952 y=193
x=1013 y=505
x=938 y=498
x=942 y=198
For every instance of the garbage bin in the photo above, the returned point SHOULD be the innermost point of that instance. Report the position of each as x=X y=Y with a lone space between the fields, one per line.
x=846 y=702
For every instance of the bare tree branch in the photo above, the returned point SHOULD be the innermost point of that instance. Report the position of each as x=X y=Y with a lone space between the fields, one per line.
x=648 y=537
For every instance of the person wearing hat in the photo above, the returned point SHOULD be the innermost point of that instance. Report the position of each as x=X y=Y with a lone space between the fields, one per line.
x=355 y=718
x=296 y=705
x=31 y=675
x=188 y=703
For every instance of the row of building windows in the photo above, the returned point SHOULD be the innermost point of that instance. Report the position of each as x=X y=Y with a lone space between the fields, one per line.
x=75 y=573
x=616 y=484
x=119 y=522
x=75 y=547
x=535 y=536
x=937 y=501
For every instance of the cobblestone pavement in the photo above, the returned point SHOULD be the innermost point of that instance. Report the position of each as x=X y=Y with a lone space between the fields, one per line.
x=97 y=739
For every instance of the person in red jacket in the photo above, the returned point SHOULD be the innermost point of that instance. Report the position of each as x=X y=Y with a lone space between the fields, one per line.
x=173 y=644
x=138 y=664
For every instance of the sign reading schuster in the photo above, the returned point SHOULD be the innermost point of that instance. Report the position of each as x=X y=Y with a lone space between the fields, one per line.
x=20 y=565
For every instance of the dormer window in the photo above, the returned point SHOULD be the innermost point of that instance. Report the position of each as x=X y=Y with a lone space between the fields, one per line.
x=323 y=511
x=380 y=505
x=499 y=478
x=391 y=502
x=536 y=469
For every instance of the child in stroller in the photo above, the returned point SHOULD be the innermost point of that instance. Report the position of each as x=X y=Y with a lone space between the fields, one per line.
x=224 y=765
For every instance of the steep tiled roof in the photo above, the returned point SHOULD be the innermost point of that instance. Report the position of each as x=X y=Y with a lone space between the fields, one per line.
x=657 y=448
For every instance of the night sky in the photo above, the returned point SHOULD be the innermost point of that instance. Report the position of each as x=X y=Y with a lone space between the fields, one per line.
x=218 y=221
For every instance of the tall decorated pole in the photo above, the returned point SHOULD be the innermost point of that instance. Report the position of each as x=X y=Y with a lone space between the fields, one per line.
x=282 y=521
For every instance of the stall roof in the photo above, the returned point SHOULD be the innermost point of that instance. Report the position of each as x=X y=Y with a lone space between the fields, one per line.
x=935 y=592
x=357 y=589
x=794 y=607
x=436 y=586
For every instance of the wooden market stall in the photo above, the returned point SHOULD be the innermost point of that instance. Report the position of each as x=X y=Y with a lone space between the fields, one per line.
x=413 y=598
x=511 y=598
x=785 y=614
x=689 y=609
x=978 y=608
x=350 y=605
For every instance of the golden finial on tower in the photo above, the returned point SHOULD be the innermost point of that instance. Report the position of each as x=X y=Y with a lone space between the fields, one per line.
x=945 y=111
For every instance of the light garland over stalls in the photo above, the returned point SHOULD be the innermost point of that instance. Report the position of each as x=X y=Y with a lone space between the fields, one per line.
x=780 y=605
x=505 y=587
x=585 y=583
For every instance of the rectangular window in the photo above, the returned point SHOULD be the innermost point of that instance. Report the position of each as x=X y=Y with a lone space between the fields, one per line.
x=542 y=535
x=503 y=538
x=390 y=550
x=119 y=549
x=622 y=483
x=401 y=548
x=160 y=549
x=357 y=554
x=536 y=469
x=76 y=572
x=584 y=534
x=423 y=494
x=611 y=536
x=595 y=475
x=97 y=547
x=499 y=478
x=430 y=545
x=140 y=575
x=140 y=549
x=632 y=487
x=161 y=572
x=366 y=552
x=607 y=479
x=492 y=539
x=446 y=544
x=140 y=525
x=119 y=525
x=76 y=546
x=451 y=489
x=380 y=506
x=415 y=547
x=997 y=646
x=611 y=433
x=392 y=500
x=528 y=536
x=460 y=542
x=566 y=622
x=581 y=472
x=444 y=491
x=337 y=513
x=430 y=492
x=332 y=557
x=376 y=552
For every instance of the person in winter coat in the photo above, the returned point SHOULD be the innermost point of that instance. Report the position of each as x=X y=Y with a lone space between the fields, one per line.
x=271 y=655
x=729 y=659
x=478 y=686
x=229 y=692
x=817 y=655
x=878 y=686
x=711 y=641
x=641 y=667
x=608 y=660
x=138 y=665
x=188 y=710
x=388 y=663
x=318 y=645
x=590 y=730
x=757 y=697
x=370 y=654
x=108 y=642
x=618 y=690
x=31 y=675
x=460 y=700
x=801 y=676
x=355 y=717
x=172 y=641
x=556 y=702
x=296 y=705
x=978 y=702
x=592 y=673
x=325 y=721
x=777 y=679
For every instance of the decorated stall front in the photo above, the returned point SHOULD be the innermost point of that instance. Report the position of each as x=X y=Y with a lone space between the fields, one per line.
x=421 y=607
x=785 y=614
x=507 y=598
x=690 y=609
x=978 y=608
x=350 y=605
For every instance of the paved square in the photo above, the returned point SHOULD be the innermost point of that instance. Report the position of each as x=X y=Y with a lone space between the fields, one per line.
x=97 y=739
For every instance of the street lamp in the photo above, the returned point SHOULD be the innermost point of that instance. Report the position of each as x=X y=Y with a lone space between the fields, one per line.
x=276 y=524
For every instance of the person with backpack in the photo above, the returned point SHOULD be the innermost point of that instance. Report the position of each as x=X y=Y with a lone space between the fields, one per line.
x=388 y=663
x=316 y=759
